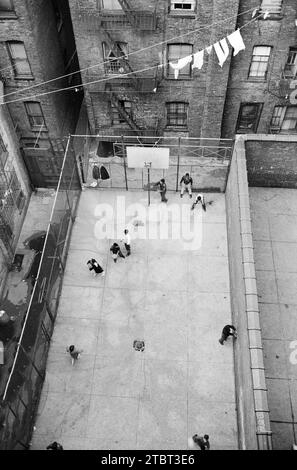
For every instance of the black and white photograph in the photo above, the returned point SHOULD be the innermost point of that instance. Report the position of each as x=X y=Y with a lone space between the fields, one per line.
x=148 y=229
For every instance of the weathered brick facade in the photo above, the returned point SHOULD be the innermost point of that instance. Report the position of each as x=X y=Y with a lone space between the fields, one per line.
x=279 y=32
x=204 y=91
x=35 y=24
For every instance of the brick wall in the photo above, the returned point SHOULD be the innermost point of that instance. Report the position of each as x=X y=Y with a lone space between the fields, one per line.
x=278 y=33
x=272 y=163
x=205 y=91
x=35 y=25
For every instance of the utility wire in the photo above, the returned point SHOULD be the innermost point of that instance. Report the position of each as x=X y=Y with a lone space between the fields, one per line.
x=106 y=79
x=131 y=53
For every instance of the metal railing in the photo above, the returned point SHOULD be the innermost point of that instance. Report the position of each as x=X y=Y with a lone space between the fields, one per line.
x=25 y=355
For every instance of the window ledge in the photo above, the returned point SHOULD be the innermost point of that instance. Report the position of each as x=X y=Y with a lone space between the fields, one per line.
x=8 y=15
x=256 y=80
x=24 y=77
x=182 y=14
x=179 y=79
x=38 y=129
x=272 y=17
x=177 y=128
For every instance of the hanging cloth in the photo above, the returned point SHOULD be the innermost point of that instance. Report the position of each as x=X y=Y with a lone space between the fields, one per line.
x=236 y=41
x=104 y=173
x=180 y=64
x=222 y=51
x=208 y=49
x=96 y=172
x=198 y=60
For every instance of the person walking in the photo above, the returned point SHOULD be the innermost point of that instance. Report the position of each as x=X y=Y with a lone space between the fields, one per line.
x=202 y=441
x=162 y=188
x=93 y=265
x=199 y=200
x=127 y=242
x=74 y=353
x=55 y=446
x=116 y=251
x=227 y=331
x=186 y=184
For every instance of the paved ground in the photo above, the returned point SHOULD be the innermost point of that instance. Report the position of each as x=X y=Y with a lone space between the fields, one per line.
x=177 y=301
x=16 y=295
x=274 y=223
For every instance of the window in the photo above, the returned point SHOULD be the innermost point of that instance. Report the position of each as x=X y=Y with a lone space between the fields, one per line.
x=3 y=152
x=19 y=60
x=259 y=64
x=284 y=118
x=185 y=5
x=248 y=117
x=113 y=64
x=116 y=117
x=35 y=115
x=273 y=6
x=110 y=5
x=290 y=69
x=176 y=52
x=6 y=8
x=177 y=114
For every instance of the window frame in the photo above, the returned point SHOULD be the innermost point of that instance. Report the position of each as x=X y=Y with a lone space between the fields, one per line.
x=9 y=13
x=275 y=11
x=291 y=65
x=253 y=129
x=31 y=116
x=113 y=66
x=102 y=7
x=171 y=114
x=183 y=11
x=3 y=152
x=282 y=118
x=169 y=69
x=253 y=61
x=14 y=60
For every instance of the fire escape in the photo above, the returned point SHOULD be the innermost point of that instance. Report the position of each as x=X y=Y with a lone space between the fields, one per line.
x=116 y=61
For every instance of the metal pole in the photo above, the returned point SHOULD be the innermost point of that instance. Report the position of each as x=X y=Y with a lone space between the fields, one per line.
x=125 y=169
x=149 y=185
x=177 y=170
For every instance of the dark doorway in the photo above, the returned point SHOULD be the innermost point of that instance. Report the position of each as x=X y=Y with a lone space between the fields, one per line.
x=43 y=167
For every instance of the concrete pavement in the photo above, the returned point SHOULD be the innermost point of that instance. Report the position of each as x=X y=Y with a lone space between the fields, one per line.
x=177 y=300
x=274 y=225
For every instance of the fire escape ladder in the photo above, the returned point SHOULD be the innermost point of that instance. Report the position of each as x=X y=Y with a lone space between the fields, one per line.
x=127 y=9
x=120 y=56
x=115 y=102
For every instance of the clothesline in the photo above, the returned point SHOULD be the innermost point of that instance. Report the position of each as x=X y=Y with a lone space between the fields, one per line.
x=221 y=49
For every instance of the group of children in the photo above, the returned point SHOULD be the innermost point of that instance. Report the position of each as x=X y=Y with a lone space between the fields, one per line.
x=186 y=183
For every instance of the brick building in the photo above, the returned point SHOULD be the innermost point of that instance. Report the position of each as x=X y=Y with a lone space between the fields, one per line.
x=250 y=93
x=14 y=190
x=260 y=95
x=150 y=101
x=37 y=45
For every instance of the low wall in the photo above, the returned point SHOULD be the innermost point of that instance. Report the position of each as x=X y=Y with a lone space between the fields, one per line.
x=251 y=390
x=271 y=160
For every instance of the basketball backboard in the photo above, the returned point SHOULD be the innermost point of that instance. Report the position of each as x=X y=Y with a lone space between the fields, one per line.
x=137 y=157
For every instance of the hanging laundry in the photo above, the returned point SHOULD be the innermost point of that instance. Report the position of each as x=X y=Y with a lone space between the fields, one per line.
x=222 y=51
x=209 y=49
x=198 y=60
x=256 y=10
x=96 y=172
x=236 y=41
x=180 y=64
x=104 y=173
x=266 y=14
